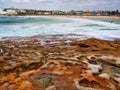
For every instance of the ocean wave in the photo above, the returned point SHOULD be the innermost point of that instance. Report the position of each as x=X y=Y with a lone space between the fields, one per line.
x=29 y=26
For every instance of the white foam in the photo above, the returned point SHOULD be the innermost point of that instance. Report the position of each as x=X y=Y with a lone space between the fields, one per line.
x=89 y=28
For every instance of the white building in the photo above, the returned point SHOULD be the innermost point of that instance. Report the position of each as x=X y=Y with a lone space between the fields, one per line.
x=22 y=11
x=2 y=12
x=11 y=12
x=47 y=13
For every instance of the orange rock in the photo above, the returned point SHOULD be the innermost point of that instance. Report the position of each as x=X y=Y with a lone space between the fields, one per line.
x=4 y=86
x=11 y=77
x=12 y=87
x=40 y=85
x=18 y=81
x=3 y=79
x=26 y=85
x=27 y=73
x=90 y=77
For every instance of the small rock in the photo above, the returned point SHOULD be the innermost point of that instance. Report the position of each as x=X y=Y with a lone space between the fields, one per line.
x=26 y=85
x=27 y=73
x=117 y=78
x=51 y=65
x=33 y=54
x=111 y=86
x=93 y=69
x=42 y=80
x=98 y=55
x=1 y=50
x=104 y=75
x=119 y=85
x=83 y=45
x=7 y=68
x=4 y=86
x=2 y=59
x=76 y=82
x=57 y=72
x=12 y=87
x=51 y=88
x=93 y=58
x=82 y=57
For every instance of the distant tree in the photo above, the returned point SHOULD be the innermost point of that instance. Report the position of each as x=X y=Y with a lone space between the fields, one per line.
x=108 y=12
x=113 y=12
x=117 y=12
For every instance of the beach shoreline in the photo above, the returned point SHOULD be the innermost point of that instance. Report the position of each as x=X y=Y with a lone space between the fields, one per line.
x=79 y=16
x=89 y=17
x=76 y=16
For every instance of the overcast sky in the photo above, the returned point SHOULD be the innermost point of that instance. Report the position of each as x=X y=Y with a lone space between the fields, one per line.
x=63 y=4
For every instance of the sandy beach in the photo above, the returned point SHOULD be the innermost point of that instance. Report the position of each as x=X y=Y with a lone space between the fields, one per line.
x=55 y=63
x=99 y=17
x=80 y=16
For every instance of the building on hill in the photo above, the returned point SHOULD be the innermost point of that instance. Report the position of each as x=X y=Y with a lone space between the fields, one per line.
x=79 y=12
x=58 y=12
x=86 y=13
x=11 y=11
x=2 y=12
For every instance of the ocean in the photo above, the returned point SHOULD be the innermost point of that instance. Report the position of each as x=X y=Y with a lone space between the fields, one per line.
x=11 y=26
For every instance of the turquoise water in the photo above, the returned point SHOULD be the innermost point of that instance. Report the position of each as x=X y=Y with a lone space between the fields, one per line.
x=33 y=25
x=107 y=20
